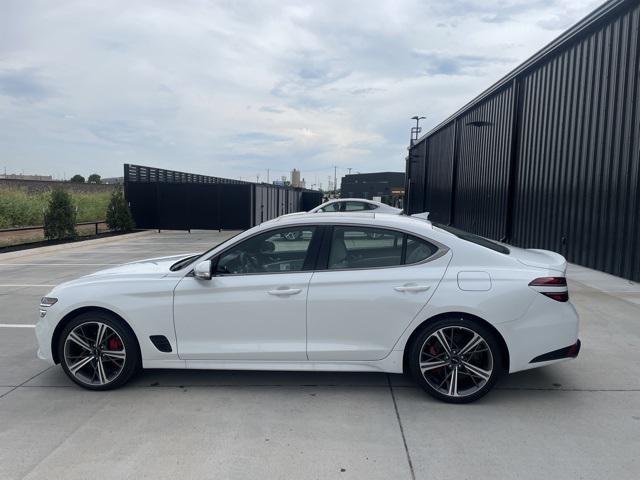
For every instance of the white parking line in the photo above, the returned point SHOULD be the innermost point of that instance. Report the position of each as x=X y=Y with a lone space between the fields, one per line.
x=15 y=325
x=56 y=264
x=25 y=285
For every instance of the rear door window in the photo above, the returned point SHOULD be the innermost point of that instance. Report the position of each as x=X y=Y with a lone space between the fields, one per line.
x=332 y=207
x=355 y=206
x=363 y=247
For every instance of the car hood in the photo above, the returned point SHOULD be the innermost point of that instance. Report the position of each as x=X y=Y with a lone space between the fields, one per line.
x=148 y=266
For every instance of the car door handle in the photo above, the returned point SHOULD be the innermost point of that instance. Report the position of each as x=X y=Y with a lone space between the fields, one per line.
x=284 y=291
x=412 y=288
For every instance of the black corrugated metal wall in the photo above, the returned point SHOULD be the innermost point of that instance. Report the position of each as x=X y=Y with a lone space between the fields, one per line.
x=483 y=166
x=439 y=160
x=569 y=179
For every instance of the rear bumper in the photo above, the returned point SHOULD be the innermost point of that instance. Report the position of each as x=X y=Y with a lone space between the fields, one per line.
x=546 y=328
x=571 y=351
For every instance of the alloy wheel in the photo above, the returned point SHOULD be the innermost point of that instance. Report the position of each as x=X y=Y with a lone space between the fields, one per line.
x=456 y=361
x=94 y=353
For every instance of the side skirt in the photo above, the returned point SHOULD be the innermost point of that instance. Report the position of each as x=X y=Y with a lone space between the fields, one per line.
x=391 y=364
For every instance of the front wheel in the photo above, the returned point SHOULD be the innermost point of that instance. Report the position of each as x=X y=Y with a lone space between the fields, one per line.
x=456 y=360
x=98 y=351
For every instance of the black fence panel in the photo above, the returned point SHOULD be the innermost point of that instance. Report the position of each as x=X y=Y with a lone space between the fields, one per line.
x=143 y=202
x=169 y=200
x=174 y=206
x=204 y=206
x=311 y=199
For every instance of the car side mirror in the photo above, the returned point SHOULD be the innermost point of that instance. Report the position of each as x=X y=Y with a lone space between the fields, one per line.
x=203 y=270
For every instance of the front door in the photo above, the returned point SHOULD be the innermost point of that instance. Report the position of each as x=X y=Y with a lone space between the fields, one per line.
x=254 y=307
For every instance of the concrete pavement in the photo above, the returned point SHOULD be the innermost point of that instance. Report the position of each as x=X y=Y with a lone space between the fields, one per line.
x=579 y=419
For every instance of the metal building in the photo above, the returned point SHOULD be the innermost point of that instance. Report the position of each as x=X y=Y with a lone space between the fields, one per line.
x=549 y=156
x=389 y=186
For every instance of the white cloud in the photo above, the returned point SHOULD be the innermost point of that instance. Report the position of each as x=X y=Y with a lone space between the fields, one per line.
x=234 y=88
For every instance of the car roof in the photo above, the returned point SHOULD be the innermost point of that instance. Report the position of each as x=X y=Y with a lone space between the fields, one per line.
x=361 y=218
x=353 y=200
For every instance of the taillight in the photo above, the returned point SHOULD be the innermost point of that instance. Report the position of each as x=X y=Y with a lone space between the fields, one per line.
x=558 y=297
x=553 y=287
x=549 y=282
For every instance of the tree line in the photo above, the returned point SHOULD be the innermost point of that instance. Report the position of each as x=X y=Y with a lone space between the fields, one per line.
x=93 y=178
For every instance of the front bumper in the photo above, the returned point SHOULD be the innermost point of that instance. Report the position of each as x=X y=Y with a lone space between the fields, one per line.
x=44 y=334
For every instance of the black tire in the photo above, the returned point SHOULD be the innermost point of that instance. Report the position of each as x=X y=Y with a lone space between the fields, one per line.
x=125 y=343
x=470 y=383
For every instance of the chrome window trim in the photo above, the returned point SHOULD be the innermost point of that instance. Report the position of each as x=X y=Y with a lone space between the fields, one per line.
x=442 y=249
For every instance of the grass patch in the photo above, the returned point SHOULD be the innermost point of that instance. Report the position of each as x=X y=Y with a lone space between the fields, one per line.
x=19 y=208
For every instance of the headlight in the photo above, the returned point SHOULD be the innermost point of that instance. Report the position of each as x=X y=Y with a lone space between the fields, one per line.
x=47 y=301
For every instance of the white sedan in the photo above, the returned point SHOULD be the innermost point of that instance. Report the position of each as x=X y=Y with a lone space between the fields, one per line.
x=354 y=205
x=453 y=309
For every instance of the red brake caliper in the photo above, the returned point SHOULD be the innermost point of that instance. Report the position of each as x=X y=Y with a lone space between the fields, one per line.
x=114 y=344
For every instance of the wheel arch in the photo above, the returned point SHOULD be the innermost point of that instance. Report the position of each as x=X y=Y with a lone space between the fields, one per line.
x=55 y=338
x=468 y=316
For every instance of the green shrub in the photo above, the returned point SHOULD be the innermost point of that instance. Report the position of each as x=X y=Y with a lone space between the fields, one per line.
x=60 y=217
x=118 y=214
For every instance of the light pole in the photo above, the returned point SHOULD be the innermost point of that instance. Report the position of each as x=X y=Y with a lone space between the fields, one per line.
x=415 y=131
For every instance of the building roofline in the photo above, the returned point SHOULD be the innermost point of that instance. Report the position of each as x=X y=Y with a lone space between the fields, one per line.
x=572 y=34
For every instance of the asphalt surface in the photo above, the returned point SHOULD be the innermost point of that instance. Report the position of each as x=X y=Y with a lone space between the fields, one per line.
x=578 y=419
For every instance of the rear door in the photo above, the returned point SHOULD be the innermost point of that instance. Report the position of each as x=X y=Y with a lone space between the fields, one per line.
x=370 y=284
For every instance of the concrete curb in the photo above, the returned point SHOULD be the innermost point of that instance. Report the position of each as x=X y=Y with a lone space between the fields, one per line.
x=66 y=246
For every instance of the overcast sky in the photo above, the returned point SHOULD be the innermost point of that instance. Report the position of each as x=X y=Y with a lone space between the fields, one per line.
x=232 y=88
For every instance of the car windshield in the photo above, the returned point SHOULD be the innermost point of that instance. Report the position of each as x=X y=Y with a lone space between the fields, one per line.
x=477 y=239
x=186 y=261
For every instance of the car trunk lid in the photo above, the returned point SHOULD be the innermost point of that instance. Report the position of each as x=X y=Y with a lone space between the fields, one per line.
x=539 y=258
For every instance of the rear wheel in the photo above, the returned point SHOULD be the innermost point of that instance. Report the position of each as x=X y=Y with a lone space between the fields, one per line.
x=456 y=360
x=98 y=351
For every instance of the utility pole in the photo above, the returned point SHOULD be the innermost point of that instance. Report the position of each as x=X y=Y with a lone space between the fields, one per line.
x=349 y=168
x=415 y=131
x=267 y=175
x=335 y=181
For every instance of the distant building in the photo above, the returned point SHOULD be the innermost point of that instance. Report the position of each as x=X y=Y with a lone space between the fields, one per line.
x=17 y=176
x=112 y=180
x=295 y=178
x=388 y=187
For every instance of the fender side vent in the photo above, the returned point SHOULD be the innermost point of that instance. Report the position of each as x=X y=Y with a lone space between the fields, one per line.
x=161 y=343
